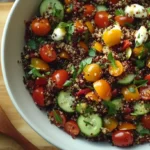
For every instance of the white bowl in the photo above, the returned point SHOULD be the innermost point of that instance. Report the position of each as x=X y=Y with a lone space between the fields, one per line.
x=12 y=45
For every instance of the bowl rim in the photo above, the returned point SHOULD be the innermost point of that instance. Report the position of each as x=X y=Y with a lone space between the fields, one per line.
x=5 y=78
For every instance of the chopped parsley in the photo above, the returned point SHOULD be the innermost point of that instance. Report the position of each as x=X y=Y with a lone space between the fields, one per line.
x=57 y=117
x=92 y=52
x=140 y=83
x=112 y=110
x=35 y=73
x=119 y=12
x=141 y=130
x=112 y=60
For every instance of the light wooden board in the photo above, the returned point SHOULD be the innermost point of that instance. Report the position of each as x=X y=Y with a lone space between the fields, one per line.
x=5 y=142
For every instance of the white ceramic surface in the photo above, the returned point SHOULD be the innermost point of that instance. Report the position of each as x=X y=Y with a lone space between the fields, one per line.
x=12 y=45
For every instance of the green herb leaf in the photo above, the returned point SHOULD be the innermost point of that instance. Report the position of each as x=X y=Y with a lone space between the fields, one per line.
x=83 y=63
x=35 y=73
x=111 y=107
x=88 y=110
x=130 y=25
x=140 y=63
x=87 y=123
x=32 y=44
x=112 y=60
x=147 y=45
x=68 y=83
x=40 y=40
x=92 y=52
x=140 y=83
x=137 y=44
x=57 y=117
x=48 y=73
x=55 y=11
x=132 y=89
x=148 y=10
x=119 y=12
x=141 y=130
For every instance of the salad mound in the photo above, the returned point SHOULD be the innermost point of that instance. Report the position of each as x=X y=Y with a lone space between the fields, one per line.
x=87 y=64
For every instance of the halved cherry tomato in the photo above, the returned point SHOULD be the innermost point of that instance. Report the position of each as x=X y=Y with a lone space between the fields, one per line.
x=146 y=121
x=145 y=92
x=131 y=93
x=83 y=92
x=138 y=50
x=41 y=81
x=84 y=46
x=110 y=123
x=39 y=64
x=92 y=72
x=40 y=27
x=92 y=96
x=103 y=89
x=98 y=46
x=122 y=138
x=67 y=2
x=38 y=96
x=147 y=77
x=58 y=118
x=72 y=128
x=101 y=19
x=47 y=53
x=116 y=71
x=123 y=20
x=113 y=1
x=127 y=126
x=79 y=26
x=88 y=10
x=126 y=44
x=64 y=55
x=90 y=26
x=112 y=37
x=60 y=77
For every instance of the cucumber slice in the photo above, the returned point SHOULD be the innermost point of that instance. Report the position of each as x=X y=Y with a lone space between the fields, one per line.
x=118 y=103
x=127 y=79
x=90 y=125
x=101 y=8
x=141 y=109
x=52 y=7
x=81 y=107
x=65 y=101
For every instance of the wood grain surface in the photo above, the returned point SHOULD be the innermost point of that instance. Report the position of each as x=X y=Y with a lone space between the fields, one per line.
x=7 y=143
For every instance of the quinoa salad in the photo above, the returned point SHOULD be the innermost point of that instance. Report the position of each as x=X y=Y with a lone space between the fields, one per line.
x=87 y=64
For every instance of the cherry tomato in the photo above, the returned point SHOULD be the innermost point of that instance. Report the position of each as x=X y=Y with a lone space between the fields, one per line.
x=60 y=77
x=147 y=77
x=122 y=138
x=92 y=72
x=39 y=64
x=38 y=96
x=138 y=50
x=112 y=37
x=79 y=26
x=101 y=19
x=113 y=1
x=145 y=92
x=110 y=123
x=116 y=71
x=97 y=46
x=127 y=126
x=131 y=93
x=103 y=89
x=146 y=121
x=47 y=53
x=72 y=128
x=123 y=20
x=84 y=46
x=126 y=44
x=40 y=27
x=88 y=10
x=90 y=26
x=92 y=96
x=83 y=92
x=67 y=2
x=58 y=118
x=64 y=55
x=41 y=81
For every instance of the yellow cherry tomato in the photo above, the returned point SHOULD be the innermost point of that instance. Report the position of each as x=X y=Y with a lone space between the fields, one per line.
x=116 y=71
x=110 y=123
x=98 y=46
x=90 y=26
x=148 y=63
x=103 y=89
x=92 y=72
x=127 y=126
x=131 y=93
x=39 y=64
x=67 y=2
x=139 y=50
x=112 y=37
x=64 y=55
x=84 y=46
x=92 y=96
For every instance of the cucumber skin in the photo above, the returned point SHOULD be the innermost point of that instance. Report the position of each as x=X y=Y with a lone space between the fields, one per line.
x=78 y=122
x=127 y=79
x=44 y=8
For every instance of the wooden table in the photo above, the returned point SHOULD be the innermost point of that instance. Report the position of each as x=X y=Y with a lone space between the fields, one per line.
x=5 y=142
